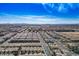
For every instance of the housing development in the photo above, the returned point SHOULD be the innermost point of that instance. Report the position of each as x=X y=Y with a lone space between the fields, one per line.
x=39 y=40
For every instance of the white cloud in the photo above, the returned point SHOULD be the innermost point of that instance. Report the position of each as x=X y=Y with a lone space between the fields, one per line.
x=62 y=8
x=32 y=19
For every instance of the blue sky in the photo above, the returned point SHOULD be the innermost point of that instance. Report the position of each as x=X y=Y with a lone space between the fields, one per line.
x=39 y=13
